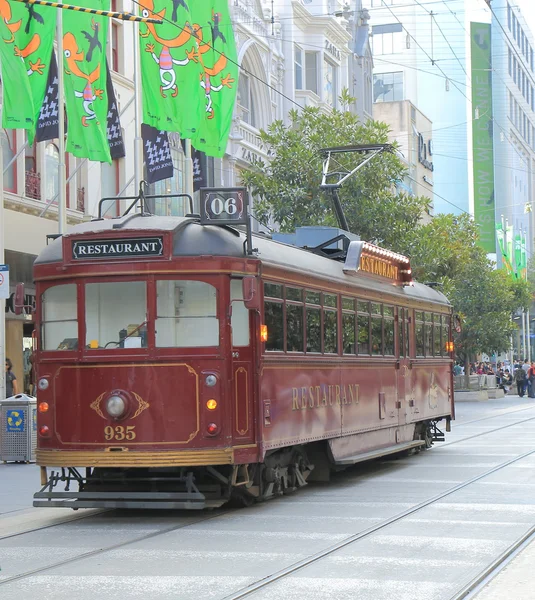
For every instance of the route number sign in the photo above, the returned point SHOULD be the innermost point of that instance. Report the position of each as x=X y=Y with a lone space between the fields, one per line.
x=4 y=281
x=223 y=206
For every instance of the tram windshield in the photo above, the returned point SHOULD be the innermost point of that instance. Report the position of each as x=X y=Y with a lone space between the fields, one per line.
x=117 y=315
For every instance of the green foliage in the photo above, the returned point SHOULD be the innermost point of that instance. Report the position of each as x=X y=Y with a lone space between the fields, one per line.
x=444 y=250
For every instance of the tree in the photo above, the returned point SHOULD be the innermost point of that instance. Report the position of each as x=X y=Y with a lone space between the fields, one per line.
x=288 y=187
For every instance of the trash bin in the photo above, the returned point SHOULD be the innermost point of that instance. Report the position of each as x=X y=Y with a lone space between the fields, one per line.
x=18 y=428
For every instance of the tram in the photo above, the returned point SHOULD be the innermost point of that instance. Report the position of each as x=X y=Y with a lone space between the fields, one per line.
x=182 y=365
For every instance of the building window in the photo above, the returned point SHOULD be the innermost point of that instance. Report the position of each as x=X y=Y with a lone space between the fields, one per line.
x=510 y=62
x=51 y=169
x=329 y=83
x=8 y=149
x=245 y=100
x=109 y=175
x=298 y=66
x=306 y=70
x=388 y=87
x=509 y=16
x=387 y=39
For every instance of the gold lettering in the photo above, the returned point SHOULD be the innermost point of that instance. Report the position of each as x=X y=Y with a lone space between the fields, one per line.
x=344 y=395
x=318 y=394
x=311 y=397
x=295 y=399
x=324 y=399
x=303 y=397
x=331 y=399
x=337 y=388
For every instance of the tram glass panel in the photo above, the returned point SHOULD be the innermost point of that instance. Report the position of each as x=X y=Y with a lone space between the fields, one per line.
x=294 y=320
x=186 y=314
x=240 y=315
x=59 y=329
x=437 y=327
x=363 y=324
x=428 y=335
x=377 y=329
x=330 y=324
x=313 y=321
x=116 y=315
x=419 y=318
x=348 y=326
x=445 y=334
x=388 y=324
x=274 y=317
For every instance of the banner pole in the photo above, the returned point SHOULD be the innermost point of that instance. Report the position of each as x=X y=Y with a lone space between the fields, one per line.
x=189 y=173
x=2 y=300
x=62 y=183
x=138 y=147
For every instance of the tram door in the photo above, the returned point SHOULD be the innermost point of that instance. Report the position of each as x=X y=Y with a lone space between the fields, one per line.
x=242 y=370
x=404 y=372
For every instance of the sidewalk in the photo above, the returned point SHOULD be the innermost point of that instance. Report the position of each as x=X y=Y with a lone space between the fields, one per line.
x=515 y=582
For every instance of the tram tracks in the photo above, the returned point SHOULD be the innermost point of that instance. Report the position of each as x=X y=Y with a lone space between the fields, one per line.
x=295 y=567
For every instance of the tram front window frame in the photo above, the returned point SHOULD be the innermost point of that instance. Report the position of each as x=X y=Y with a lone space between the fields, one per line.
x=136 y=330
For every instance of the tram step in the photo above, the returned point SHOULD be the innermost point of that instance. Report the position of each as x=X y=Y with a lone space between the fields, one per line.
x=351 y=460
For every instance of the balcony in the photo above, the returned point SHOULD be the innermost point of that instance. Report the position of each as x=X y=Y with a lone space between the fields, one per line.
x=33 y=185
x=244 y=14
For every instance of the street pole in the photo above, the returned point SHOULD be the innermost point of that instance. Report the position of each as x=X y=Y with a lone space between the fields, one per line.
x=138 y=147
x=2 y=300
x=189 y=173
x=528 y=331
x=62 y=173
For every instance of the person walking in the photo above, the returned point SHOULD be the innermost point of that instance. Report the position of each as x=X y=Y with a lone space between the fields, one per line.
x=520 y=380
x=12 y=386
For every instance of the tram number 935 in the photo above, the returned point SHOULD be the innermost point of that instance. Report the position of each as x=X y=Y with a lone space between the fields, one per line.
x=120 y=433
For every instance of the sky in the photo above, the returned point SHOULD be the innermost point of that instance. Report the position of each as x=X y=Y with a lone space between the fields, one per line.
x=528 y=10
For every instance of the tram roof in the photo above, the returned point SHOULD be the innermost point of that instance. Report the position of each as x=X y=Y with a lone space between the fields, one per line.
x=193 y=239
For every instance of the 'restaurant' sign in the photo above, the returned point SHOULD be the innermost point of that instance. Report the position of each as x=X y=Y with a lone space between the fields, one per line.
x=123 y=248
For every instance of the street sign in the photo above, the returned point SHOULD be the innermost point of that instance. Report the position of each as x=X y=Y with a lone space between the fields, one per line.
x=4 y=281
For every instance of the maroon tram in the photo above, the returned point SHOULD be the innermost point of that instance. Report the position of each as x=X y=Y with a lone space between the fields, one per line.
x=175 y=370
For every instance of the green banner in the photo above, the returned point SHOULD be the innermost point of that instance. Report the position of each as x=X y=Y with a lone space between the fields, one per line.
x=219 y=78
x=27 y=33
x=518 y=256
x=84 y=62
x=170 y=74
x=482 y=132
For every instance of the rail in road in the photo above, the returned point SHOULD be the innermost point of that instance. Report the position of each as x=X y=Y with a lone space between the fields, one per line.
x=418 y=539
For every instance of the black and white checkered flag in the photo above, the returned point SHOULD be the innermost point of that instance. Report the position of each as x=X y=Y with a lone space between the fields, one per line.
x=48 y=123
x=158 y=161
x=113 y=130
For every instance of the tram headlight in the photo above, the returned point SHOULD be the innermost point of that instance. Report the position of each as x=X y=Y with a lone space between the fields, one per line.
x=115 y=406
x=42 y=384
x=210 y=380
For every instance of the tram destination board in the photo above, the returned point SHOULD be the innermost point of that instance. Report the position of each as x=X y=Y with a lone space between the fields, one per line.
x=223 y=206
x=121 y=248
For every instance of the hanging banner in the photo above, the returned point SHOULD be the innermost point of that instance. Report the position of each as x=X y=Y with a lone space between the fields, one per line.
x=199 y=167
x=113 y=125
x=86 y=102
x=27 y=33
x=158 y=161
x=482 y=131
x=169 y=74
x=48 y=122
x=218 y=57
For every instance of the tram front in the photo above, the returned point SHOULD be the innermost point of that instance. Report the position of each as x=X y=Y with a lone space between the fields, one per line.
x=137 y=400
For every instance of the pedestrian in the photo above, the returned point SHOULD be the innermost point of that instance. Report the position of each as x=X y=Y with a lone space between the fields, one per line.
x=12 y=386
x=531 y=381
x=520 y=380
x=457 y=370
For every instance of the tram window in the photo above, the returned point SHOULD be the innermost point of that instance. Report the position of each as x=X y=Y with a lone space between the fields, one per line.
x=363 y=306
x=437 y=345
x=348 y=333
x=376 y=308
x=363 y=323
x=330 y=332
x=377 y=335
x=428 y=335
x=419 y=334
x=294 y=294
x=240 y=315
x=313 y=297
x=273 y=316
x=389 y=337
x=407 y=336
x=313 y=329
x=294 y=328
x=330 y=300
x=60 y=323
x=116 y=315
x=388 y=311
x=272 y=290
x=401 y=331
x=186 y=314
x=445 y=335
x=348 y=303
